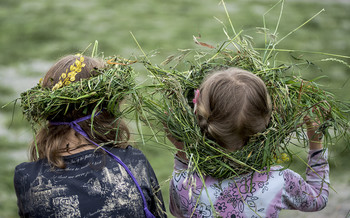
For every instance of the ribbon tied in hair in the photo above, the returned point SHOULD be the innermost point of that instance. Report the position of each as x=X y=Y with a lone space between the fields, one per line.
x=196 y=95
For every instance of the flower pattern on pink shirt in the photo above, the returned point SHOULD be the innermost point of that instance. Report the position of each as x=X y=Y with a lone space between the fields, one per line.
x=251 y=195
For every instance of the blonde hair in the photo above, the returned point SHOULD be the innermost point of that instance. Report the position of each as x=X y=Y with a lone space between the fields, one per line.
x=233 y=105
x=106 y=127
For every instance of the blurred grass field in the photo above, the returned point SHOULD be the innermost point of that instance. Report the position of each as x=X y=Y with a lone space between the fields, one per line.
x=35 y=33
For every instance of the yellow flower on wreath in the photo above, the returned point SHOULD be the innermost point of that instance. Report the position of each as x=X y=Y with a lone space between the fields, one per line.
x=57 y=86
x=68 y=77
x=282 y=158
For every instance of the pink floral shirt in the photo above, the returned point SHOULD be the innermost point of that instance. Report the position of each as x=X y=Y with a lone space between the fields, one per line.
x=253 y=194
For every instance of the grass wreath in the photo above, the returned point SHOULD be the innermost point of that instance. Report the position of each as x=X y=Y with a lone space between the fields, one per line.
x=170 y=103
x=105 y=91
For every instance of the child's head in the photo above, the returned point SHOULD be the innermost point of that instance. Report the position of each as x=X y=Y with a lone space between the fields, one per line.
x=53 y=75
x=71 y=69
x=106 y=127
x=233 y=105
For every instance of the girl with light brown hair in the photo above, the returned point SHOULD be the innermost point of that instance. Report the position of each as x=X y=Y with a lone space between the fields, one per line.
x=232 y=105
x=81 y=162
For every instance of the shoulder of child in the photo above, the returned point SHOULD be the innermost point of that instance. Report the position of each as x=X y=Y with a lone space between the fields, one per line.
x=129 y=154
x=276 y=171
x=25 y=171
x=130 y=150
x=29 y=166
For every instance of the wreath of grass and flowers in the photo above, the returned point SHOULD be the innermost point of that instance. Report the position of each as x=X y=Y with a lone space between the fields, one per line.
x=169 y=103
x=112 y=84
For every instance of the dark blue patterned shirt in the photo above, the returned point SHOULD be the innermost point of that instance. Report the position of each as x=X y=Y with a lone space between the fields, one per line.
x=93 y=184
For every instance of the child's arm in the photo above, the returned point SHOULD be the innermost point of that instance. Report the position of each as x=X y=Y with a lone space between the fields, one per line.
x=155 y=202
x=20 y=182
x=312 y=194
x=178 y=144
x=315 y=138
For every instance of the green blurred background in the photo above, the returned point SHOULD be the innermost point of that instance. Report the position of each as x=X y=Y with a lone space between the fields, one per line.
x=35 y=33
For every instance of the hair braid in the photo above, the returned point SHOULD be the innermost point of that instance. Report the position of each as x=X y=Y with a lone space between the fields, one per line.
x=233 y=105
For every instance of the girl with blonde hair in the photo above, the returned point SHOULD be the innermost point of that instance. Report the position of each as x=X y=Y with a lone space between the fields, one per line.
x=232 y=105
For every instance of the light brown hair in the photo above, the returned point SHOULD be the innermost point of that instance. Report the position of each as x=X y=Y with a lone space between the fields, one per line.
x=106 y=127
x=233 y=105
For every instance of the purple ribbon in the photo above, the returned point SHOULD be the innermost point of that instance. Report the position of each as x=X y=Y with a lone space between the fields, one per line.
x=74 y=125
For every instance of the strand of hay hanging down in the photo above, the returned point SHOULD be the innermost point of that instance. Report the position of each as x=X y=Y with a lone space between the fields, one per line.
x=169 y=102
